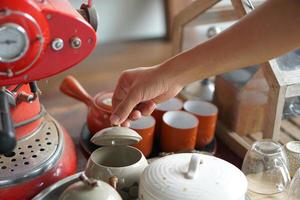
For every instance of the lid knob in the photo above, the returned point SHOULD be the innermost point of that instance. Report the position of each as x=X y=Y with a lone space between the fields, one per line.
x=194 y=167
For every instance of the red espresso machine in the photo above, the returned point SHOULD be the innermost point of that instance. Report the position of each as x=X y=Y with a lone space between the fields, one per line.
x=38 y=39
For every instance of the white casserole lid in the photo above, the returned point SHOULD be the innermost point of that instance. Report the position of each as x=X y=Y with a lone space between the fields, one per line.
x=192 y=177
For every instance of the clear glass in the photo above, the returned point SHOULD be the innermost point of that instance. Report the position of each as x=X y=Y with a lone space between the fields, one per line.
x=294 y=191
x=265 y=166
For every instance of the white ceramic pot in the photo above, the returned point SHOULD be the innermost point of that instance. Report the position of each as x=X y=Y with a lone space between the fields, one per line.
x=88 y=189
x=117 y=159
x=192 y=177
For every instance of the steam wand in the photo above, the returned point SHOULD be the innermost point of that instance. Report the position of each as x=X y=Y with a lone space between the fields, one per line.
x=7 y=130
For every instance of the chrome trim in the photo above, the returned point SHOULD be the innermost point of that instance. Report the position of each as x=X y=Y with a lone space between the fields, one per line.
x=39 y=37
x=44 y=167
x=57 y=188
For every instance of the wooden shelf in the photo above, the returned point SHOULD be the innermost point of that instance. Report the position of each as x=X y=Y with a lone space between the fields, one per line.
x=289 y=131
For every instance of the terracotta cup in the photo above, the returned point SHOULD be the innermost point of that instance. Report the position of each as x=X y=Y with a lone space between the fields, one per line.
x=170 y=105
x=292 y=149
x=207 y=115
x=179 y=131
x=145 y=127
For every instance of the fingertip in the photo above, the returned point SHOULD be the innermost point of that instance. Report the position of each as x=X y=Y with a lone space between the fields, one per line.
x=126 y=124
x=148 y=108
x=136 y=114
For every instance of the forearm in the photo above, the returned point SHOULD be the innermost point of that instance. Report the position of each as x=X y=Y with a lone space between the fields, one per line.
x=269 y=31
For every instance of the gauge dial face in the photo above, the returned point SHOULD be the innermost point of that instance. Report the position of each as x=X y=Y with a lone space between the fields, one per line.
x=14 y=42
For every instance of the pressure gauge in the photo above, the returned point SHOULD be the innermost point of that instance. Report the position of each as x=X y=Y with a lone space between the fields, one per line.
x=14 y=42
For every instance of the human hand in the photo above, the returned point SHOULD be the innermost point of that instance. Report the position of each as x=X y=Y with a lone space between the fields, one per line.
x=139 y=90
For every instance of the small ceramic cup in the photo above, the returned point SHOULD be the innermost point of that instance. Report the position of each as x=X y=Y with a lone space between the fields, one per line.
x=124 y=162
x=207 y=115
x=170 y=105
x=293 y=156
x=145 y=128
x=179 y=131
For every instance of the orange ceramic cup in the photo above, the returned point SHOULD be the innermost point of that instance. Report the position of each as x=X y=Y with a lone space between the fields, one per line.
x=207 y=115
x=179 y=131
x=170 y=105
x=145 y=127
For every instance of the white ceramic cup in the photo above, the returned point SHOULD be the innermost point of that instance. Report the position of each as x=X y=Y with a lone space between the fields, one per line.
x=124 y=162
x=293 y=155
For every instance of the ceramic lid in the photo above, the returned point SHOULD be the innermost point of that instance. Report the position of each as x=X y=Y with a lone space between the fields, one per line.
x=193 y=177
x=116 y=136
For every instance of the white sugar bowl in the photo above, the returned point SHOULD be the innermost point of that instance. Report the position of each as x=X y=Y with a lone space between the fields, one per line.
x=190 y=176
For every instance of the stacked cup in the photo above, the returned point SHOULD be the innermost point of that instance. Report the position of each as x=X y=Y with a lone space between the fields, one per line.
x=185 y=130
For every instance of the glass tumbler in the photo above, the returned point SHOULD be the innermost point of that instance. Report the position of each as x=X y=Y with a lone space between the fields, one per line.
x=265 y=166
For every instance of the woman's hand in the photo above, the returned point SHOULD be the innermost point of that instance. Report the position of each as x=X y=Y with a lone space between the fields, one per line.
x=139 y=90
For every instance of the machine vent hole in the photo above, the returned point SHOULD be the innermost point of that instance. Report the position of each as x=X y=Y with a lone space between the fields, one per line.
x=29 y=146
x=21 y=153
x=34 y=156
x=48 y=133
x=26 y=163
x=42 y=149
x=37 y=140
x=49 y=143
x=11 y=154
x=3 y=167
x=13 y=160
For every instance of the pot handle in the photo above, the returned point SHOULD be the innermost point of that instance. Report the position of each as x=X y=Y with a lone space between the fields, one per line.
x=71 y=87
x=88 y=181
x=194 y=167
x=113 y=181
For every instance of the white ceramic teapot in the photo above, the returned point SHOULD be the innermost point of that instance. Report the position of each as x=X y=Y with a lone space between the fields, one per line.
x=190 y=176
x=90 y=189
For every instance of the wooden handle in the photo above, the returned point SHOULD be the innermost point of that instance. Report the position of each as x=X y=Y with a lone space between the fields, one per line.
x=113 y=181
x=71 y=87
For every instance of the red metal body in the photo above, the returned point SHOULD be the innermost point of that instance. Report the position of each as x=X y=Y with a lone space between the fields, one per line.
x=65 y=166
x=44 y=21
x=54 y=19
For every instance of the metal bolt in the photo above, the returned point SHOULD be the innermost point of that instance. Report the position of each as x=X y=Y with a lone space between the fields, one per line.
x=49 y=16
x=75 y=42
x=57 y=44
x=212 y=31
